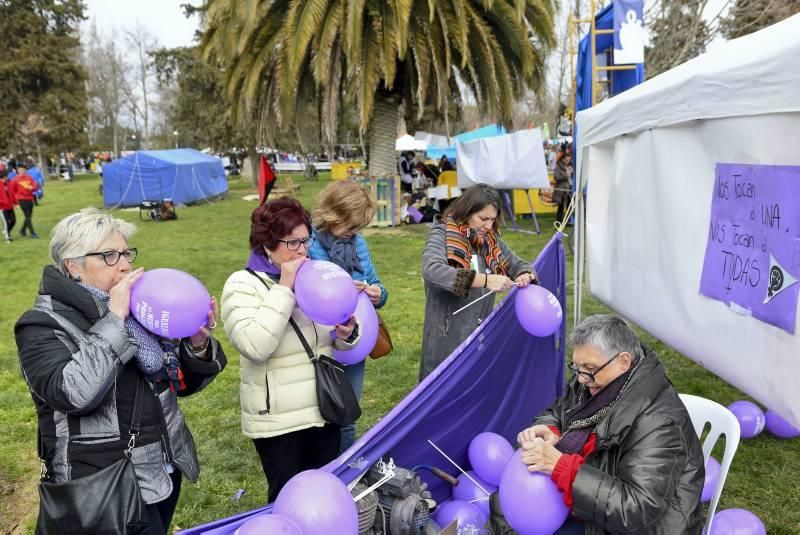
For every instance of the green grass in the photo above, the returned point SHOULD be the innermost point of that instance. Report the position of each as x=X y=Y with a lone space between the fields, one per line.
x=210 y=241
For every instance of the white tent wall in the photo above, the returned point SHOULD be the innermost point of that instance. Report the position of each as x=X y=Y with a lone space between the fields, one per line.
x=648 y=161
x=511 y=161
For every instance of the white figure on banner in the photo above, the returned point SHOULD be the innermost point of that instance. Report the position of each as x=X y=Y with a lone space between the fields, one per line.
x=633 y=38
x=779 y=279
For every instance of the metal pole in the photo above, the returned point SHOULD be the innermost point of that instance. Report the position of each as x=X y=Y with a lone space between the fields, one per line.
x=593 y=37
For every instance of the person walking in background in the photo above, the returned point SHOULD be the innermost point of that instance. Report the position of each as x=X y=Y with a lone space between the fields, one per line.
x=405 y=167
x=562 y=192
x=464 y=259
x=344 y=208
x=24 y=189
x=37 y=175
x=7 y=201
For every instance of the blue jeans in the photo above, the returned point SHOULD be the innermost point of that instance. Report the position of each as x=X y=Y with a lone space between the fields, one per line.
x=356 y=375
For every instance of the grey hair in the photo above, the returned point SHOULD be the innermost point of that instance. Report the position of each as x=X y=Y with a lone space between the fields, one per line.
x=82 y=233
x=609 y=334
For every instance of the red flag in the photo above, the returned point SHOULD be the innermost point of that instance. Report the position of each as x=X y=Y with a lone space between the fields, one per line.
x=266 y=179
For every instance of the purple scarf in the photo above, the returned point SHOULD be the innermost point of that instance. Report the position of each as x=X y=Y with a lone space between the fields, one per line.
x=259 y=262
x=589 y=411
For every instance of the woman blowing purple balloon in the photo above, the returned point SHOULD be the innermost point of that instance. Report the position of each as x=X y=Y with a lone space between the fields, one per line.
x=278 y=386
x=89 y=366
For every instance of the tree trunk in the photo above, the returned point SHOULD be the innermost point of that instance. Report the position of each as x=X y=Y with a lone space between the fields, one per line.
x=42 y=164
x=382 y=135
x=254 y=161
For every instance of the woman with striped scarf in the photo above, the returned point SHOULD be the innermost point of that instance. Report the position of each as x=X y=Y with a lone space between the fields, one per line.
x=464 y=259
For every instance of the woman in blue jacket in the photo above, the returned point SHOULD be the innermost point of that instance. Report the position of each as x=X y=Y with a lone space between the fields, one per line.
x=344 y=208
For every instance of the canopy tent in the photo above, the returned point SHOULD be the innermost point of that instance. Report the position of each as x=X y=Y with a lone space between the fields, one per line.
x=497 y=380
x=478 y=133
x=620 y=80
x=408 y=142
x=651 y=157
x=511 y=161
x=180 y=175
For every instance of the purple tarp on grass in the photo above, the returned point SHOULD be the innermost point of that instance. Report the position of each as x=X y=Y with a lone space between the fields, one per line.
x=497 y=380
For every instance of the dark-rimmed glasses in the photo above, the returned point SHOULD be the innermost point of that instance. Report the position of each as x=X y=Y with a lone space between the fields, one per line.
x=294 y=245
x=111 y=258
x=590 y=375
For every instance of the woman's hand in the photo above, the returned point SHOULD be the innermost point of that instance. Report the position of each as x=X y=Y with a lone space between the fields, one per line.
x=524 y=280
x=373 y=291
x=540 y=456
x=289 y=271
x=120 y=302
x=498 y=283
x=199 y=340
x=537 y=431
x=345 y=330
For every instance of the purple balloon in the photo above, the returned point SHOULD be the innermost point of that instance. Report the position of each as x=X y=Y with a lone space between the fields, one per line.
x=319 y=503
x=368 y=327
x=488 y=455
x=780 y=427
x=465 y=512
x=531 y=502
x=538 y=310
x=170 y=303
x=751 y=417
x=710 y=482
x=737 y=522
x=325 y=292
x=274 y=524
x=467 y=491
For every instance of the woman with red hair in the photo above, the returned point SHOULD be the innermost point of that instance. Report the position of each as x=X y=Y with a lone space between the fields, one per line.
x=278 y=385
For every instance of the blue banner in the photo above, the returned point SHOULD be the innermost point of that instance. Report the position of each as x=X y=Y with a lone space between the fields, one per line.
x=630 y=35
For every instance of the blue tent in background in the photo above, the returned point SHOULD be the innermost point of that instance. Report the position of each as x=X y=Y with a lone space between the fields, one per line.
x=485 y=131
x=183 y=176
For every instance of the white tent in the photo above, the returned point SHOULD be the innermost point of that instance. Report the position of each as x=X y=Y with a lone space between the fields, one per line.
x=510 y=161
x=407 y=142
x=648 y=159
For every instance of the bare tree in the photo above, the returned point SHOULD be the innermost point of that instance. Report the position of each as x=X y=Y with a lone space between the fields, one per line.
x=142 y=42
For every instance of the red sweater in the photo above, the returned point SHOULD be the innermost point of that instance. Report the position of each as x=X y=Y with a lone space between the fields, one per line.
x=567 y=467
x=23 y=187
x=7 y=200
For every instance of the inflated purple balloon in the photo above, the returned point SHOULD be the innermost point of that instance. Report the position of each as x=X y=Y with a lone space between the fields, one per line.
x=710 y=482
x=368 y=328
x=273 y=524
x=170 y=303
x=468 y=491
x=531 y=502
x=465 y=512
x=488 y=455
x=780 y=427
x=737 y=522
x=538 y=311
x=319 y=503
x=325 y=292
x=751 y=417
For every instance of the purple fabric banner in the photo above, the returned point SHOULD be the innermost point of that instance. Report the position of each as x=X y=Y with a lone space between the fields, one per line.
x=498 y=380
x=752 y=258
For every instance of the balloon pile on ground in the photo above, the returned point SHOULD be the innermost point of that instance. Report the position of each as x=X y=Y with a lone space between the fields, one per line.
x=319 y=503
x=737 y=522
x=751 y=417
x=780 y=427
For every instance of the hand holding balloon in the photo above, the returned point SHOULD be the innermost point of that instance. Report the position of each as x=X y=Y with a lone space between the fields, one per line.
x=120 y=302
x=289 y=272
x=373 y=291
x=537 y=431
x=345 y=330
x=540 y=456
x=201 y=337
x=525 y=279
x=498 y=283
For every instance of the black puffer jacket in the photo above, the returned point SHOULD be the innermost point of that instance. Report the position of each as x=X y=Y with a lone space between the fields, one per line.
x=646 y=472
x=77 y=359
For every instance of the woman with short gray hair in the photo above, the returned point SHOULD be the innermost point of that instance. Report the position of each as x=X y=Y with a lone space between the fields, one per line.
x=105 y=389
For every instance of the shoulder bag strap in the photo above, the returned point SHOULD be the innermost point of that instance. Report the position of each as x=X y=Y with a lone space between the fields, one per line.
x=136 y=418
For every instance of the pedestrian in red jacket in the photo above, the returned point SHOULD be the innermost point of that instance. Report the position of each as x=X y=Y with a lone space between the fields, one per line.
x=24 y=188
x=7 y=201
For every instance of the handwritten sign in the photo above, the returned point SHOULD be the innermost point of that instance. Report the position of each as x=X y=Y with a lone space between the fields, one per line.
x=753 y=253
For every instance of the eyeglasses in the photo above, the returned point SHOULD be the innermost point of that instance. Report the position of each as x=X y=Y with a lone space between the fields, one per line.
x=590 y=375
x=111 y=258
x=294 y=245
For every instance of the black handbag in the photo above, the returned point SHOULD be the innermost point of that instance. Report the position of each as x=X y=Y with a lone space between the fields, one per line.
x=106 y=502
x=336 y=398
x=337 y=401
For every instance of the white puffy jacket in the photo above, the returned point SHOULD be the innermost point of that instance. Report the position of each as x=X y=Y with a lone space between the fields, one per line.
x=278 y=387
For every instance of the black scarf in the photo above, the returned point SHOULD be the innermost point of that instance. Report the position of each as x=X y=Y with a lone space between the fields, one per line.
x=341 y=251
x=589 y=411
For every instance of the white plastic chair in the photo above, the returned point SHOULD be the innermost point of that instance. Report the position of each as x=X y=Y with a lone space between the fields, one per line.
x=704 y=411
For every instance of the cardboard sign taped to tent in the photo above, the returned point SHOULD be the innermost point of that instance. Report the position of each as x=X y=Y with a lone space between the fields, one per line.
x=752 y=259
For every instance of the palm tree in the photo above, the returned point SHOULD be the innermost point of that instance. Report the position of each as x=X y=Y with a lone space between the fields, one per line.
x=285 y=60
